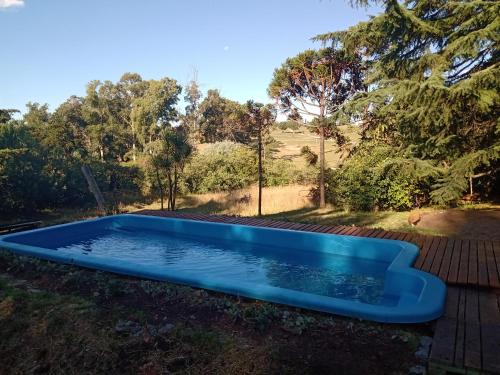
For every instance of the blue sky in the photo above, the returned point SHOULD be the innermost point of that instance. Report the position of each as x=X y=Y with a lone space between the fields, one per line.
x=52 y=48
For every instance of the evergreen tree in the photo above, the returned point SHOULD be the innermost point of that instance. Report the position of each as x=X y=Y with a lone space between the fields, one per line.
x=433 y=78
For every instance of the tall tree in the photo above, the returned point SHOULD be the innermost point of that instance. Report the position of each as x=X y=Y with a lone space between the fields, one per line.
x=434 y=77
x=220 y=120
x=316 y=83
x=192 y=97
x=155 y=110
x=168 y=157
x=260 y=117
x=130 y=87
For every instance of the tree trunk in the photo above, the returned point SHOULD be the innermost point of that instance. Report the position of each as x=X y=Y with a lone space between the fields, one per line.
x=260 y=172
x=174 y=190
x=321 y=164
x=133 y=150
x=159 y=186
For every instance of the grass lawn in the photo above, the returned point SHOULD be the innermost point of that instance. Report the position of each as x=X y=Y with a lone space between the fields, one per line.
x=290 y=203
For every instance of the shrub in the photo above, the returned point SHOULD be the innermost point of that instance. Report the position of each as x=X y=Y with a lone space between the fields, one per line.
x=375 y=176
x=221 y=166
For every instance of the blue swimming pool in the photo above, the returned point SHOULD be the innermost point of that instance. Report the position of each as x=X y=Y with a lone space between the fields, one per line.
x=360 y=277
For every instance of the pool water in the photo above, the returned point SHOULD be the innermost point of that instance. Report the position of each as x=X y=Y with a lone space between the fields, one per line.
x=330 y=275
x=367 y=278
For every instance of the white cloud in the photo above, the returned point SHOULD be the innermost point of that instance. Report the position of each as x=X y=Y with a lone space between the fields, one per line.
x=226 y=48
x=4 y=4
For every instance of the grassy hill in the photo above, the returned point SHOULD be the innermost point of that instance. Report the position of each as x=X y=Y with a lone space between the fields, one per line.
x=292 y=142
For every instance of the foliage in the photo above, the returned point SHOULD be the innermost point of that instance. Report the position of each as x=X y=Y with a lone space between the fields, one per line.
x=221 y=166
x=317 y=83
x=434 y=78
x=375 y=177
x=221 y=119
x=168 y=158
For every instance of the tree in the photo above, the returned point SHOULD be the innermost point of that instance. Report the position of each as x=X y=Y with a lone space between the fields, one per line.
x=129 y=88
x=6 y=115
x=220 y=120
x=36 y=115
x=155 y=110
x=192 y=97
x=169 y=155
x=434 y=75
x=260 y=117
x=317 y=83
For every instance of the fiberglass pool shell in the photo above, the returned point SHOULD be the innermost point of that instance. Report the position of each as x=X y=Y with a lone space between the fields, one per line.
x=406 y=295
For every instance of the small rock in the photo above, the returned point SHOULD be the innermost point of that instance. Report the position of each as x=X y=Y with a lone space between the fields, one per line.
x=127 y=326
x=424 y=348
x=417 y=370
x=166 y=329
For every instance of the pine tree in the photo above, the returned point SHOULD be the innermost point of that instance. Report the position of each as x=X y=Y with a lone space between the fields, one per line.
x=434 y=79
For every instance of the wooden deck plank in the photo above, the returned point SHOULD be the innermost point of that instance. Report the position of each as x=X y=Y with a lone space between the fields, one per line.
x=464 y=263
x=438 y=258
x=431 y=254
x=423 y=252
x=493 y=275
x=443 y=347
x=446 y=261
x=472 y=276
x=496 y=252
x=482 y=268
x=455 y=262
x=472 y=353
x=490 y=340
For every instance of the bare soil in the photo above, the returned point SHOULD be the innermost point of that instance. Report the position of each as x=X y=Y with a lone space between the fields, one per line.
x=481 y=224
x=61 y=319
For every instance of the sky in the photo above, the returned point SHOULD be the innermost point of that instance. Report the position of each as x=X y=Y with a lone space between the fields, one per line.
x=52 y=48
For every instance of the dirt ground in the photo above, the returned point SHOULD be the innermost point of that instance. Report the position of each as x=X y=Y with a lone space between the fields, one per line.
x=66 y=320
x=478 y=224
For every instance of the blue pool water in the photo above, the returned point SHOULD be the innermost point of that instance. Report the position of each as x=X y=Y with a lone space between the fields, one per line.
x=360 y=277
x=330 y=275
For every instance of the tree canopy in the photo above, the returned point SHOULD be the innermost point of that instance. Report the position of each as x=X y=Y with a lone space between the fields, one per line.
x=433 y=84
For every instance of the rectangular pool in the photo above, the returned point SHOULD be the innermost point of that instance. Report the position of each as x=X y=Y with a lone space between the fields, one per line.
x=353 y=276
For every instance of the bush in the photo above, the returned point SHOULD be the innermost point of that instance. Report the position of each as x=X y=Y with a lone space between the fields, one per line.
x=226 y=166
x=375 y=176
x=221 y=166
x=22 y=185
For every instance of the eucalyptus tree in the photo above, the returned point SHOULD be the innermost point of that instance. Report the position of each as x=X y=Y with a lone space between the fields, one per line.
x=155 y=109
x=192 y=97
x=434 y=76
x=130 y=87
x=316 y=83
x=220 y=120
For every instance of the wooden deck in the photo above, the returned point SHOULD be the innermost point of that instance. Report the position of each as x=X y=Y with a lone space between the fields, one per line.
x=467 y=337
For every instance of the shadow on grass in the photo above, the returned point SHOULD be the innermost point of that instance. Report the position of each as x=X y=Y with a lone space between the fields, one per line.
x=331 y=217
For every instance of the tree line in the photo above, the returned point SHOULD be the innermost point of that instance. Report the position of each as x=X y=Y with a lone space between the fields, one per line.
x=421 y=81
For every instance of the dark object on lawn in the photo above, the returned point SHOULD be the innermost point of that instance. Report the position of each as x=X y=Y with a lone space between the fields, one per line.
x=414 y=218
x=18 y=227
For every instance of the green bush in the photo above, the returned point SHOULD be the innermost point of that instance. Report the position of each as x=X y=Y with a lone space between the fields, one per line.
x=22 y=184
x=375 y=176
x=221 y=166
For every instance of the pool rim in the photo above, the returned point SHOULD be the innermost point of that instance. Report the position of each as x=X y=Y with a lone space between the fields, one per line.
x=430 y=304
